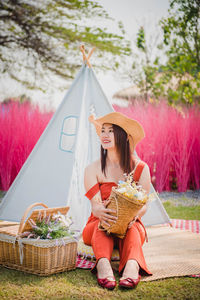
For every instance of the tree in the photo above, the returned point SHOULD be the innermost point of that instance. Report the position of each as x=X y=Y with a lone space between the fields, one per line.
x=147 y=83
x=178 y=79
x=144 y=67
x=181 y=31
x=43 y=37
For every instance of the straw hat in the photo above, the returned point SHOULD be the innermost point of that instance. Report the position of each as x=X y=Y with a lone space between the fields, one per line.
x=132 y=127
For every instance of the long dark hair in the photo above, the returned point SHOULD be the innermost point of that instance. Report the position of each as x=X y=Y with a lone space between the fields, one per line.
x=122 y=144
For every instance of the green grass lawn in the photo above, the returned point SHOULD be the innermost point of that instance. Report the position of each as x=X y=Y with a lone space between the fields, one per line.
x=2 y=194
x=81 y=284
x=182 y=212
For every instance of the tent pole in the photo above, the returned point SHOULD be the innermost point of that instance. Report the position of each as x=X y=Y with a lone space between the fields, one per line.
x=86 y=58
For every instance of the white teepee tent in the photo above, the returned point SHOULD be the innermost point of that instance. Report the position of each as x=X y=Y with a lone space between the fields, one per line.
x=53 y=173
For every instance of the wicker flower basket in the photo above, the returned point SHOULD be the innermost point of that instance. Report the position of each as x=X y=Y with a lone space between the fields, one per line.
x=41 y=257
x=126 y=209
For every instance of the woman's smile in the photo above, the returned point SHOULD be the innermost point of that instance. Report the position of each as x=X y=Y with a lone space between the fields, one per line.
x=105 y=141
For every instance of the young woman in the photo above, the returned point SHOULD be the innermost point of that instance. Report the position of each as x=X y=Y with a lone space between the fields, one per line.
x=118 y=136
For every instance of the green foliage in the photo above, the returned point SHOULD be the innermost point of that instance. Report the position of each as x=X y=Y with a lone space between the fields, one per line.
x=178 y=80
x=146 y=78
x=41 y=38
x=181 y=31
x=50 y=230
x=141 y=43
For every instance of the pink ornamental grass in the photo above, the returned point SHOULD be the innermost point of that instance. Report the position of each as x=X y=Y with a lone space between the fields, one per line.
x=171 y=147
x=194 y=160
x=20 y=127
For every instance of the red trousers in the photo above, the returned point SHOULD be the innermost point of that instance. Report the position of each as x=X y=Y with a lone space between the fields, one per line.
x=130 y=247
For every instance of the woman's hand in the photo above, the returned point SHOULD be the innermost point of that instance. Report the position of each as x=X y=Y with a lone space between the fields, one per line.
x=141 y=212
x=100 y=211
x=132 y=222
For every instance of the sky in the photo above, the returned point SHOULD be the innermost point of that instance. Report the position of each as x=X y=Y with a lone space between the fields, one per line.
x=133 y=14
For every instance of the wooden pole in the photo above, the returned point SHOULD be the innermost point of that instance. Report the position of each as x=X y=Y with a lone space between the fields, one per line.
x=86 y=58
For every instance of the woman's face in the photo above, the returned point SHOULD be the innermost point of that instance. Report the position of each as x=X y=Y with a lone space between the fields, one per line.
x=107 y=136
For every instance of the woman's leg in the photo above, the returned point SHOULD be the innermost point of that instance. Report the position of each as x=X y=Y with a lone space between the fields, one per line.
x=102 y=246
x=131 y=255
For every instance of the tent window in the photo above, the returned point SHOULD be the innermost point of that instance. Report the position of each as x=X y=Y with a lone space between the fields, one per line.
x=68 y=134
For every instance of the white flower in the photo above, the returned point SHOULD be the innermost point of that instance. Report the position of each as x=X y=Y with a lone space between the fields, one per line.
x=65 y=220
x=121 y=190
x=140 y=195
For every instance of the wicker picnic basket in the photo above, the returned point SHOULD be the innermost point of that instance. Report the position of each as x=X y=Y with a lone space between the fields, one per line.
x=126 y=209
x=41 y=257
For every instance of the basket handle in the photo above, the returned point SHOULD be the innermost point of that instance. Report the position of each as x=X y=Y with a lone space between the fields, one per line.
x=21 y=225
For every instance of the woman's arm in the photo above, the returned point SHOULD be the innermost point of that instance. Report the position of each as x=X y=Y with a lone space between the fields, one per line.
x=145 y=179
x=98 y=208
x=145 y=182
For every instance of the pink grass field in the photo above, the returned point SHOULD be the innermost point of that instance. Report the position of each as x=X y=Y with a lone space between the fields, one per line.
x=21 y=125
x=171 y=147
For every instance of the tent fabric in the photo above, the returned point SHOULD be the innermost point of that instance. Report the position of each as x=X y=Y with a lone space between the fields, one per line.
x=54 y=171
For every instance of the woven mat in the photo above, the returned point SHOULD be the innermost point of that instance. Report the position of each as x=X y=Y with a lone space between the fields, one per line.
x=171 y=252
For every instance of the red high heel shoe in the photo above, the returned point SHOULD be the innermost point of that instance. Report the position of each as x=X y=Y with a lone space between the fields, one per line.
x=107 y=283
x=129 y=283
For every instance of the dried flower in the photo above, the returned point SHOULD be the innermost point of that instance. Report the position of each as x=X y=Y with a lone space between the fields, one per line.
x=130 y=189
x=50 y=227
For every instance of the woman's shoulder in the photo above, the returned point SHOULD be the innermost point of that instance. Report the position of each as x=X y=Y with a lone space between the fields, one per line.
x=142 y=175
x=142 y=163
x=145 y=169
x=138 y=163
x=91 y=175
x=141 y=169
x=93 y=167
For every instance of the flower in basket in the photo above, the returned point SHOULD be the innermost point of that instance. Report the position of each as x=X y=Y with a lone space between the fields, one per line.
x=50 y=227
x=132 y=191
x=126 y=199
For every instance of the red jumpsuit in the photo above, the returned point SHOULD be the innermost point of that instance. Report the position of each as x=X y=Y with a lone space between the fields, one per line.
x=130 y=247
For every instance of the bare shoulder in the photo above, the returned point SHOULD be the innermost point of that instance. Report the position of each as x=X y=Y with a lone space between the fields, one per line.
x=93 y=167
x=91 y=174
